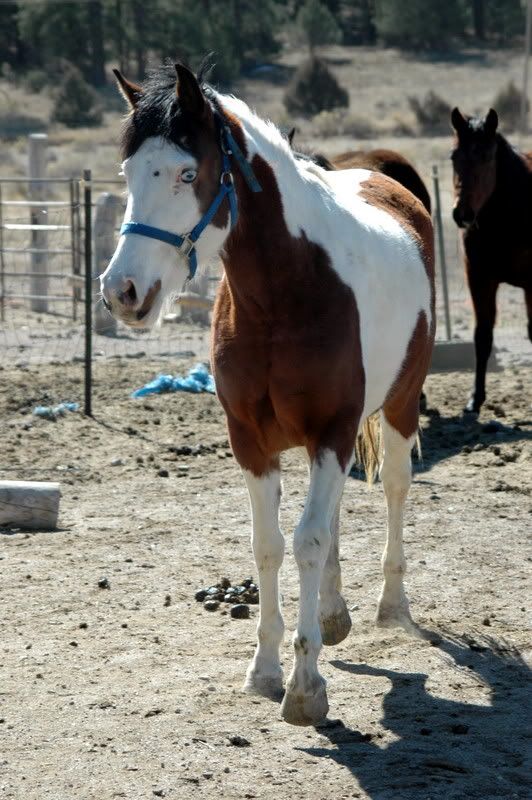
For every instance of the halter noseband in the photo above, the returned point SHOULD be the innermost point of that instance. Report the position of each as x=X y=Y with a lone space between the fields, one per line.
x=186 y=244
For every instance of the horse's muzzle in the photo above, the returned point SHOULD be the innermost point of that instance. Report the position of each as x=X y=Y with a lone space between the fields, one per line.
x=464 y=217
x=124 y=303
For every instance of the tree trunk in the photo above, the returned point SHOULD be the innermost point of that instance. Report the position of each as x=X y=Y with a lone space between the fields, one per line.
x=97 y=68
x=139 y=44
x=479 y=18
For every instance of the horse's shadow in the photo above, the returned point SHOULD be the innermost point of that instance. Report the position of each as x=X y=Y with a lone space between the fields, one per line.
x=444 y=748
x=443 y=437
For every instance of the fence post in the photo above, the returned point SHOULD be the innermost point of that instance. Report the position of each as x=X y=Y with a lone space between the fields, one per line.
x=88 y=290
x=2 y=263
x=38 y=143
x=107 y=206
x=441 y=246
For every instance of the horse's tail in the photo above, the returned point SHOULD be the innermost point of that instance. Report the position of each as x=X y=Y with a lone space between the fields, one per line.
x=369 y=447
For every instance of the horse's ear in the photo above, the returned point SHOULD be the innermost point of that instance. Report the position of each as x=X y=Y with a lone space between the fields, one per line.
x=458 y=121
x=491 y=121
x=191 y=98
x=130 y=91
x=291 y=134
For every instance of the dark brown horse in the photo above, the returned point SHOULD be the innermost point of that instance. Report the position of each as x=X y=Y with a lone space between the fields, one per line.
x=493 y=189
x=387 y=162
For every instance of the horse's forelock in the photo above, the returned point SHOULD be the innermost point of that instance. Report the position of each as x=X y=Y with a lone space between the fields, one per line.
x=157 y=112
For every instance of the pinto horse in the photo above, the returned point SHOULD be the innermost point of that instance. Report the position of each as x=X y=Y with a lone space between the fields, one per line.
x=324 y=315
x=493 y=206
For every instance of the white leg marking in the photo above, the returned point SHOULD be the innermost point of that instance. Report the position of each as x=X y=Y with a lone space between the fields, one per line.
x=305 y=701
x=396 y=476
x=335 y=622
x=264 y=675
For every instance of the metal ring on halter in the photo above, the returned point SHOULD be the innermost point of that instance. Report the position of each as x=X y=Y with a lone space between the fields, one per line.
x=225 y=147
x=229 y=175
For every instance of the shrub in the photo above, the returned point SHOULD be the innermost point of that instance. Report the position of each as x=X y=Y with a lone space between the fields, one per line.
x=313 y=89
x=507 y=104
x=340 y=123
x=76 y=103
x=433 y=113
x=36 y=80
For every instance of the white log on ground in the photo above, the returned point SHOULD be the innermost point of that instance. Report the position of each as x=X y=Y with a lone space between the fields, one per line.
x=29 y=504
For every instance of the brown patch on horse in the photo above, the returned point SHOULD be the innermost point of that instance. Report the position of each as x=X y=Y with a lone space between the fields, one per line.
x=378 y=190
x=270 y=344
x=401 y=407
x=389 y=163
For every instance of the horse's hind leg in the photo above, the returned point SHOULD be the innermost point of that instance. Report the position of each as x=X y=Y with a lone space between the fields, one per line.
x=335 y=622
x=396 y=476
x=264 y=675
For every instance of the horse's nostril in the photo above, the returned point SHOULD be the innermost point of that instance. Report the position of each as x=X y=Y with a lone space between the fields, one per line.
x=128 y=296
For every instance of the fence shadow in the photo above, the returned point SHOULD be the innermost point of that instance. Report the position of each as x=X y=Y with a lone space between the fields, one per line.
x=445 y=749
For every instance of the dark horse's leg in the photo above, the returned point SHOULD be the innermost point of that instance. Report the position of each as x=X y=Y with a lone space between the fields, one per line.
x=483 y=294
x=528 y=300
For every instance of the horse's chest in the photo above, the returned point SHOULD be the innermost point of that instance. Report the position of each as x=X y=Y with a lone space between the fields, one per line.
x=290 y=380
x=505 y=259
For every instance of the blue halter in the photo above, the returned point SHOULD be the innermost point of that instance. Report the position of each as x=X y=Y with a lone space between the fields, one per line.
x=186 y=244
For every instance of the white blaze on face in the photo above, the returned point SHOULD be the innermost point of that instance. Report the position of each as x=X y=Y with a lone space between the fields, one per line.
x=160 y=180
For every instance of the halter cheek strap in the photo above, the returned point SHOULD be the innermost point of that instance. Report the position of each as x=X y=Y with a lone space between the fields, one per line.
x=186 y=244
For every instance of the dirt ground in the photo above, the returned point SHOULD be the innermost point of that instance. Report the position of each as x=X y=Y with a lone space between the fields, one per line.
x=134 y=691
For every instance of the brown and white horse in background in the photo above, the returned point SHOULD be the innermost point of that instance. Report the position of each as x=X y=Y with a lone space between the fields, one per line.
x=325 y=314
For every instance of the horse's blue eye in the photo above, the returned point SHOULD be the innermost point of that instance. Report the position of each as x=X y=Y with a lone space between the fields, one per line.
x=188 y=175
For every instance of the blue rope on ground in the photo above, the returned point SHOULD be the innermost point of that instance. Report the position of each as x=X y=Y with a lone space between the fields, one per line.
x=53 y=412
x=199 y=379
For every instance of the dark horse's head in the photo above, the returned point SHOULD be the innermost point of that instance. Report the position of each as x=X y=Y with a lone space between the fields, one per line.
x=474 y=158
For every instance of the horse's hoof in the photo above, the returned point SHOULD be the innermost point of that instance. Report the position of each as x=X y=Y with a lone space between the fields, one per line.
x=472 y=406
x=335 y=627
x=270 y=686
x=396 y=617
x=298 y=708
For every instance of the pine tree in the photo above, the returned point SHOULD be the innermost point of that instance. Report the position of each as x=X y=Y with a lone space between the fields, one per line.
x=317 y=24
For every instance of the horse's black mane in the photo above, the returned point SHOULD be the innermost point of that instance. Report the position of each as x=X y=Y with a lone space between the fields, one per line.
x=158 y=113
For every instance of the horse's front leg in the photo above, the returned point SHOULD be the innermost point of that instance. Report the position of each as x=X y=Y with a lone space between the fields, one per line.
x=305 y=701
x=483 y=295
x=264 y=675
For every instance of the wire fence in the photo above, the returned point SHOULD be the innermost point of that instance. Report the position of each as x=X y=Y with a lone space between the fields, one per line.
x=42 y=284
x=50 y=230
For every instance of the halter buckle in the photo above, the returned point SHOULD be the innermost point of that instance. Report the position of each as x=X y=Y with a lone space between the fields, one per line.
x=229 y=175
x=187 y=246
